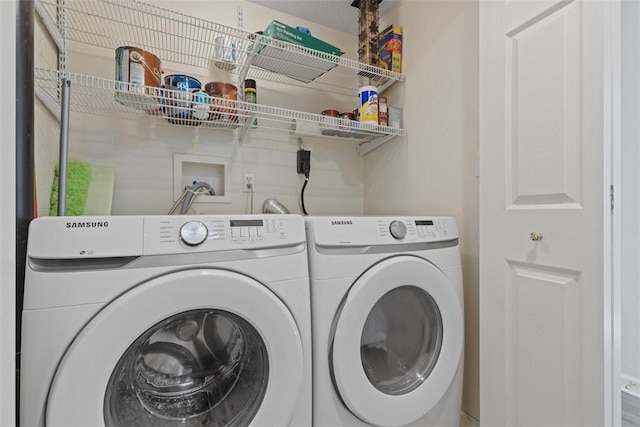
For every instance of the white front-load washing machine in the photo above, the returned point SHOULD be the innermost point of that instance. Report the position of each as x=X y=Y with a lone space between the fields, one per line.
x=165 y=321
x=387 y=321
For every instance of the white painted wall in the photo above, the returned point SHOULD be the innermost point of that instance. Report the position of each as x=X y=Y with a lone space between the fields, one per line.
x=630 y=203
x=7 y=215
x=142 y=154
x=433 y=171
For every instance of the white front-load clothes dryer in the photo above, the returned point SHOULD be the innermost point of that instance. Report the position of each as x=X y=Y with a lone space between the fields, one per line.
x=166 y=321
x=387 y=321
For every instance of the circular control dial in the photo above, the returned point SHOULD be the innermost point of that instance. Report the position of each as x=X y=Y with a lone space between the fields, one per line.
x=398 y=230
x=193 y=233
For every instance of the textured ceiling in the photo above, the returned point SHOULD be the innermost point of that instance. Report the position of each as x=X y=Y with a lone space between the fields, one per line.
x=337 y=14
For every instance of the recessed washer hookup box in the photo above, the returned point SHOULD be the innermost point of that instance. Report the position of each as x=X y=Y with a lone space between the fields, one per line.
x=303 y=66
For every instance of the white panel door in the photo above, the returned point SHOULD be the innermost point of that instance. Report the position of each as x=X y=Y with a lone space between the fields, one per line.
x=545 y=144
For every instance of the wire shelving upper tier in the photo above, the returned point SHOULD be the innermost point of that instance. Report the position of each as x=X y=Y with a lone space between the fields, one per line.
x=179 y=38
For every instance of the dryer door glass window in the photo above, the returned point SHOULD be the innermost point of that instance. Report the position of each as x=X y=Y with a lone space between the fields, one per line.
x=401 y=340
x=201 y=367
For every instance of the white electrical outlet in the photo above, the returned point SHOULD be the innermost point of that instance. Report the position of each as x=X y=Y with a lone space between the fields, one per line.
x=248 y=183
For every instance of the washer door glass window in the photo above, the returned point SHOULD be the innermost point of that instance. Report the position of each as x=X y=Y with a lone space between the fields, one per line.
x=397 y=341
x=202 y=367
x=401 y=340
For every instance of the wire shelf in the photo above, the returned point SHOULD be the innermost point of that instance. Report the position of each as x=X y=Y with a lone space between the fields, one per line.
x=110 y=98
x=187 y=40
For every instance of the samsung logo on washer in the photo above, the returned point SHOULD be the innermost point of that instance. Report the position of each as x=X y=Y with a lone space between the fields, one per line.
x=341 y=222
x=87 y=224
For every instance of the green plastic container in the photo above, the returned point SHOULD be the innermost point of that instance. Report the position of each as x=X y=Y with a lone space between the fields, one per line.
x=302 y=67
x=283 y=32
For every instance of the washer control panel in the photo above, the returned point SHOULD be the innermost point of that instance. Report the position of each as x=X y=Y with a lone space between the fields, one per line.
x=362 y=231
x=174 y=234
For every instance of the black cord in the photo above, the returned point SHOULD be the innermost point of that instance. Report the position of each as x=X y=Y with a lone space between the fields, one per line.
x=251 y=211
x=306 y=180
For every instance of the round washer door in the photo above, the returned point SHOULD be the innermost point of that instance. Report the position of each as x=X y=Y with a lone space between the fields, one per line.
x=196 y=347
x=397 y=342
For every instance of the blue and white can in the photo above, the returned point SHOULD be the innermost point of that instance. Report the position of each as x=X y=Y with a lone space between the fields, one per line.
x=201 y=106
x=178 y=94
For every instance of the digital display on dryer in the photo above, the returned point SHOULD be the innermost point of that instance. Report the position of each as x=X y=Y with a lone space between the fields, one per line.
x=426 y=222
x=246 y=223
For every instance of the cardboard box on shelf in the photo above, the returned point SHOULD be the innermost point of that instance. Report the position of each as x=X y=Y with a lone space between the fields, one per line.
x=281 y=31
x=390 y=48
x=383 y=113
x=278 y=59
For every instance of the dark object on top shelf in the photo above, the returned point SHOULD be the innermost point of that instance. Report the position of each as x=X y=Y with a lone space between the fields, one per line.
x=368 y=31
x=356 y=3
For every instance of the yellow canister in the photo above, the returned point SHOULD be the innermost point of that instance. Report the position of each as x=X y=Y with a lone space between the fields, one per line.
x=368 y=96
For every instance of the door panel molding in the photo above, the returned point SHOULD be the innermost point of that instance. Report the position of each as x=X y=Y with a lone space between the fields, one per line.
x=543 y=97
x=543 y=317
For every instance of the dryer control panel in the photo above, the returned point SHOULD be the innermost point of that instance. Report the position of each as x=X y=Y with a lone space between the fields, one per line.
x=369 y=231
x=206 y=233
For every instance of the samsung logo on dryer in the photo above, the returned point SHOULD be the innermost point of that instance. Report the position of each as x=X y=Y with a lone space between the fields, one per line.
x=341 y=222
x=88 y=224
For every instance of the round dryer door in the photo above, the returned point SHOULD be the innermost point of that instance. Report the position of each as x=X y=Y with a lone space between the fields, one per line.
x=196 y=347
x=397 y=343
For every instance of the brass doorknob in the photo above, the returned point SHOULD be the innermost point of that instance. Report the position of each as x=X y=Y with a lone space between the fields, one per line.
x=535 y=236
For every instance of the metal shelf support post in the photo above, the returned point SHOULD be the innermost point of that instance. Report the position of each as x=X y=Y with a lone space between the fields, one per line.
x=64 y=146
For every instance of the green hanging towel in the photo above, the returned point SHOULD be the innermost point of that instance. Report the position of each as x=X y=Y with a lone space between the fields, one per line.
x=89 y=190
